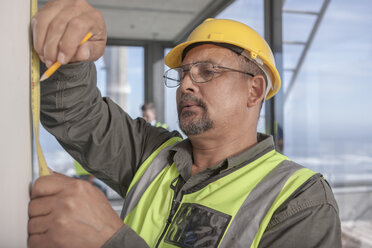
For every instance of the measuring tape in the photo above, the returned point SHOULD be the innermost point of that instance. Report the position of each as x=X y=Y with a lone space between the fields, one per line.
x=35 y=100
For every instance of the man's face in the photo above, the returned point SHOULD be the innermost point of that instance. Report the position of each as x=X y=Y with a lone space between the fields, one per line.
x=215 y=105
x=148 y=115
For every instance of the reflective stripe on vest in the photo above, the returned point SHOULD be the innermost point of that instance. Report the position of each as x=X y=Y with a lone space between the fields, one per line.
x=219 y=214
x=250 y=227
x=145 y=175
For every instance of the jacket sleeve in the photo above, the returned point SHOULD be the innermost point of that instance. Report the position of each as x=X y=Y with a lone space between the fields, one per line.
x=308 y=220
x=125 y=237
x=105 y=140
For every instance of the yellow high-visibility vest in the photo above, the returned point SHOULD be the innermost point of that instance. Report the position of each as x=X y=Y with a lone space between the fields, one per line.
x=231 y=210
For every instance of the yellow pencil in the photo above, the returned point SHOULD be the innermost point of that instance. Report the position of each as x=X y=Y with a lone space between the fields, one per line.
x=56 y=65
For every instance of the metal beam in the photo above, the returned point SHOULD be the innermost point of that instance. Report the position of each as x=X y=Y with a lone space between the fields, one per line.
x=301 y=12
x=306 y=48
x=273 y=35
x=159 y=9
x=133 y=42
x=288 y=42
x=154 y=69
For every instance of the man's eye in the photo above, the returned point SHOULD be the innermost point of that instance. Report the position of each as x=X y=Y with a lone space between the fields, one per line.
x=206 y=73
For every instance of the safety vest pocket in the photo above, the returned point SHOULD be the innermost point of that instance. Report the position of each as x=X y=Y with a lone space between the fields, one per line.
x=197 y=226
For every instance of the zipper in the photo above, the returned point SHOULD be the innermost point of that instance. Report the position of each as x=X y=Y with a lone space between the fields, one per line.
x=174 y=208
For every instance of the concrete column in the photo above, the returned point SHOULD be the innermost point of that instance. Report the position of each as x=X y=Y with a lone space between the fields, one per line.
x=116 y=74
x=15 y=122
x=154 y=69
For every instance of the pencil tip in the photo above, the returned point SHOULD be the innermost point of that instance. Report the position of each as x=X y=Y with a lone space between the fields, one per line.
x=43 y=77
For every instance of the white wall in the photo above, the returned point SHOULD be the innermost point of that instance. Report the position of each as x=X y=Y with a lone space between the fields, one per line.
x=15 y=119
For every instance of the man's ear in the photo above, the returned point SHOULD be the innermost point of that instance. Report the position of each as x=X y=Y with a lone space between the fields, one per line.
x=256 y=91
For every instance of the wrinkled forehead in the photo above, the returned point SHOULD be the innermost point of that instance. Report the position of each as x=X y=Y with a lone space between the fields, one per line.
x=208 y=52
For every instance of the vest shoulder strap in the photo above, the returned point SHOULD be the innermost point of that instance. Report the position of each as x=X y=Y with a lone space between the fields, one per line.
x=297 y=179
x=253 y=216
x=144 y=176
x=141 y=170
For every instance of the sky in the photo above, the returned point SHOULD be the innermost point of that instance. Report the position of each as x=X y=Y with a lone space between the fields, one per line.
x=327 y=117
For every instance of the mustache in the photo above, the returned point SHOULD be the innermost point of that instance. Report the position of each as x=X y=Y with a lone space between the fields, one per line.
x=189 y=97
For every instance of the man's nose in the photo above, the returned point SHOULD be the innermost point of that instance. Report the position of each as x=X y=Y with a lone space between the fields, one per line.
x=187 y=84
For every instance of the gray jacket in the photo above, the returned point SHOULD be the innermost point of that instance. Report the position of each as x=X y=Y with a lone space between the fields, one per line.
x=111 y=145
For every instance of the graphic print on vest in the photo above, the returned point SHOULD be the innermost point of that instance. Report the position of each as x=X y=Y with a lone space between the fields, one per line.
x=197 y=226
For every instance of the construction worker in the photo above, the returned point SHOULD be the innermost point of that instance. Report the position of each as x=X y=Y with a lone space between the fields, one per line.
x=149 y=114
x=223 y=186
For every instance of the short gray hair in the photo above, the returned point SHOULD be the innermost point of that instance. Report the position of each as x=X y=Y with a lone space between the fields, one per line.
x=251 y=67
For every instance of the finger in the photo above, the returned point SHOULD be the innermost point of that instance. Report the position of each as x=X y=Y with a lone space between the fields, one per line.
x=69 y=47
x=41 y=206
x=38 y=225
x=49 y=185
x=90 y=51
x=82 y=53
x=40 y=24
x=37 y=240
x=56 y=30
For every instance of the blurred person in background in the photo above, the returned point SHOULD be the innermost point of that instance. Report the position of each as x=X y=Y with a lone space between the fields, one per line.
x=149 y=114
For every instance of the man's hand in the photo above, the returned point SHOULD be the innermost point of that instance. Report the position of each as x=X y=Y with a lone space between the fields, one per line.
x=59 y=27
x=67 y=212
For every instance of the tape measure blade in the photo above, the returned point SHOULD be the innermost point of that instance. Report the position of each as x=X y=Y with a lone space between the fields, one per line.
x=35 y=100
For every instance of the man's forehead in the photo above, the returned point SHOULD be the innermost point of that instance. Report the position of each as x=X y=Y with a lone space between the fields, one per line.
x=210 y=53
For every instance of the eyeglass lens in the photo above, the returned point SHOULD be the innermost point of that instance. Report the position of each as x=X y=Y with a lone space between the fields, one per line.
x=202 y=72
x=199 y=72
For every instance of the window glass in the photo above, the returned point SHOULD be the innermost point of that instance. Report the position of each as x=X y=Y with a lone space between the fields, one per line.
x=312 y=6
x=123 y=77
x=328 y=105
x=327 y=113
x=248 y=12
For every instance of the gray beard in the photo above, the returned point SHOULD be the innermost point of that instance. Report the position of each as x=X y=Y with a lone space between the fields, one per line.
x=194 y=126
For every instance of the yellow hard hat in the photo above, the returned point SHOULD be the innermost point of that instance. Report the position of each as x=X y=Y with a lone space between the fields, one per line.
x=237 y=34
